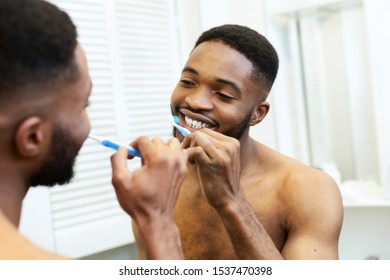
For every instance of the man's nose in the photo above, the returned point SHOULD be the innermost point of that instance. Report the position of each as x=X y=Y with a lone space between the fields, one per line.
x=200 y=99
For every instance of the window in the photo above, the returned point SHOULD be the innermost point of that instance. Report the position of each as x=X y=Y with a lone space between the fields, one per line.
x=332 y=76
x=338 y=95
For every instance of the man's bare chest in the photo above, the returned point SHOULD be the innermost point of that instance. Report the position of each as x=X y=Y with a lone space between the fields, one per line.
x=203 y=234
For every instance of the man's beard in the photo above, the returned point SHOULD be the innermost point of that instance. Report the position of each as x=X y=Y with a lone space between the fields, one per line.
x=234 y=132
x=58 y=167
x=237 y=131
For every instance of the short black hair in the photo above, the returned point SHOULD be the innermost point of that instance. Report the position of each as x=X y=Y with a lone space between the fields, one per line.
x=254 y=46
x=37 y=46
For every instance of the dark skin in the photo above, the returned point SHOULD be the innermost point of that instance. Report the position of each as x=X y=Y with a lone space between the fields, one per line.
x=149 y=199
x=25 y=139
x=241 y=199
x=27 y=127
x=25 y=142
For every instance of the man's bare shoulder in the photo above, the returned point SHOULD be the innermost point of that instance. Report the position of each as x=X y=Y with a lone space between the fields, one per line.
x=307 y=198
x=297 y=183
x=310 y=193
x=13 y=246
x=291 y=170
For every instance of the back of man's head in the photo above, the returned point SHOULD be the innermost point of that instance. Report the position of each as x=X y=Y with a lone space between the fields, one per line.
x=255 y=47
x=37 y=44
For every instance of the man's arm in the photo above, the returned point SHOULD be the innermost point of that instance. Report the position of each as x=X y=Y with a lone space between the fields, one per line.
x=248 y=236
x=139 y=242
x=149 y=194
x=315 y=208
x=314 y=219
x=158 y=240
x=217 y=158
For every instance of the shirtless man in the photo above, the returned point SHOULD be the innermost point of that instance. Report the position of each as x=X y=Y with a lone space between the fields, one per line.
x=44 y=92
x=241 y=199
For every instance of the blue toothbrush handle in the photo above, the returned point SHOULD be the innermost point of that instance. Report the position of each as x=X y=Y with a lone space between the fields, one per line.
x=183 y=131
x=131 y=151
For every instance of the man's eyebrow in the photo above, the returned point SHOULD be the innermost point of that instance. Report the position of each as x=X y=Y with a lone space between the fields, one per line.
x=229 y=83
x=190 y=69
x=219 y=80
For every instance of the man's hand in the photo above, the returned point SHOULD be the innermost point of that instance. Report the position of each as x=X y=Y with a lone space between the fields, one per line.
x=152 y=190
x=217 y=159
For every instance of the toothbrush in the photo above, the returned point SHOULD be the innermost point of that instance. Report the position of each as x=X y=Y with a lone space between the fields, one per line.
x=115 y=145
x=183 y=131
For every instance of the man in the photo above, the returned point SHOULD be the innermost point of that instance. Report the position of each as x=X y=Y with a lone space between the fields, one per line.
x=44 y=91
x=241 y=199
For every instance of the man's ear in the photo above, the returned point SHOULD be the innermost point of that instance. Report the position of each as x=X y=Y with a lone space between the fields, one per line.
x=30 y=136
x=259 y=112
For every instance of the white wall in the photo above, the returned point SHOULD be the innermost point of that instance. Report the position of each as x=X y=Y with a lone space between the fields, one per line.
x=378 y=21
x=365 y=233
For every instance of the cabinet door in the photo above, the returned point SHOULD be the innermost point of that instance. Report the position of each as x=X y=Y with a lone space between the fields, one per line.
x=131 y=47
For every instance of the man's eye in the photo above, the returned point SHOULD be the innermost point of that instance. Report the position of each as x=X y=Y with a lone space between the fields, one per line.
x=224 y=96
x=186 y=83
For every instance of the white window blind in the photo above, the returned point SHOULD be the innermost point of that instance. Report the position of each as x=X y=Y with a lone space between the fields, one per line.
x=132 y=57
x=311 y=45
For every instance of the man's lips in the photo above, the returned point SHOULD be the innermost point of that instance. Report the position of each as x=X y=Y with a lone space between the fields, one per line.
x=196 y=121
x=195 y=124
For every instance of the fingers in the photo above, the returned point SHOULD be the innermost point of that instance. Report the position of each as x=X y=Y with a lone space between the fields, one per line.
x=119 y=160
x=215 y=134
x=175 y=144
x=206 y=146
x=202 y=145
x=153 y=188
x=197 y=154
x=143 y=144
x=155 y=149
x=119 y=166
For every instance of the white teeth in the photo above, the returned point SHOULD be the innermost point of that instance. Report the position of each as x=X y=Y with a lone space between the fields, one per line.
x=196 y=124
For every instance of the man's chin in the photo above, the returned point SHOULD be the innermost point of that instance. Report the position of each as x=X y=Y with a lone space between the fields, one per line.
x=51 y=178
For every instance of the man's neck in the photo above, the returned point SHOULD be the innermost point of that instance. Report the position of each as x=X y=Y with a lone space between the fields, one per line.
x=247 y=150
x=12 y=192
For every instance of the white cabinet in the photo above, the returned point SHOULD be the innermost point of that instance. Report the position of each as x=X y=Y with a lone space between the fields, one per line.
x=131 y=47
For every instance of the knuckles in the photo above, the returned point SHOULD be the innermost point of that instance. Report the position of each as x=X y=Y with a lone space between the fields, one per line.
x=234 y=144
x=176 y=158
x=118 y=179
